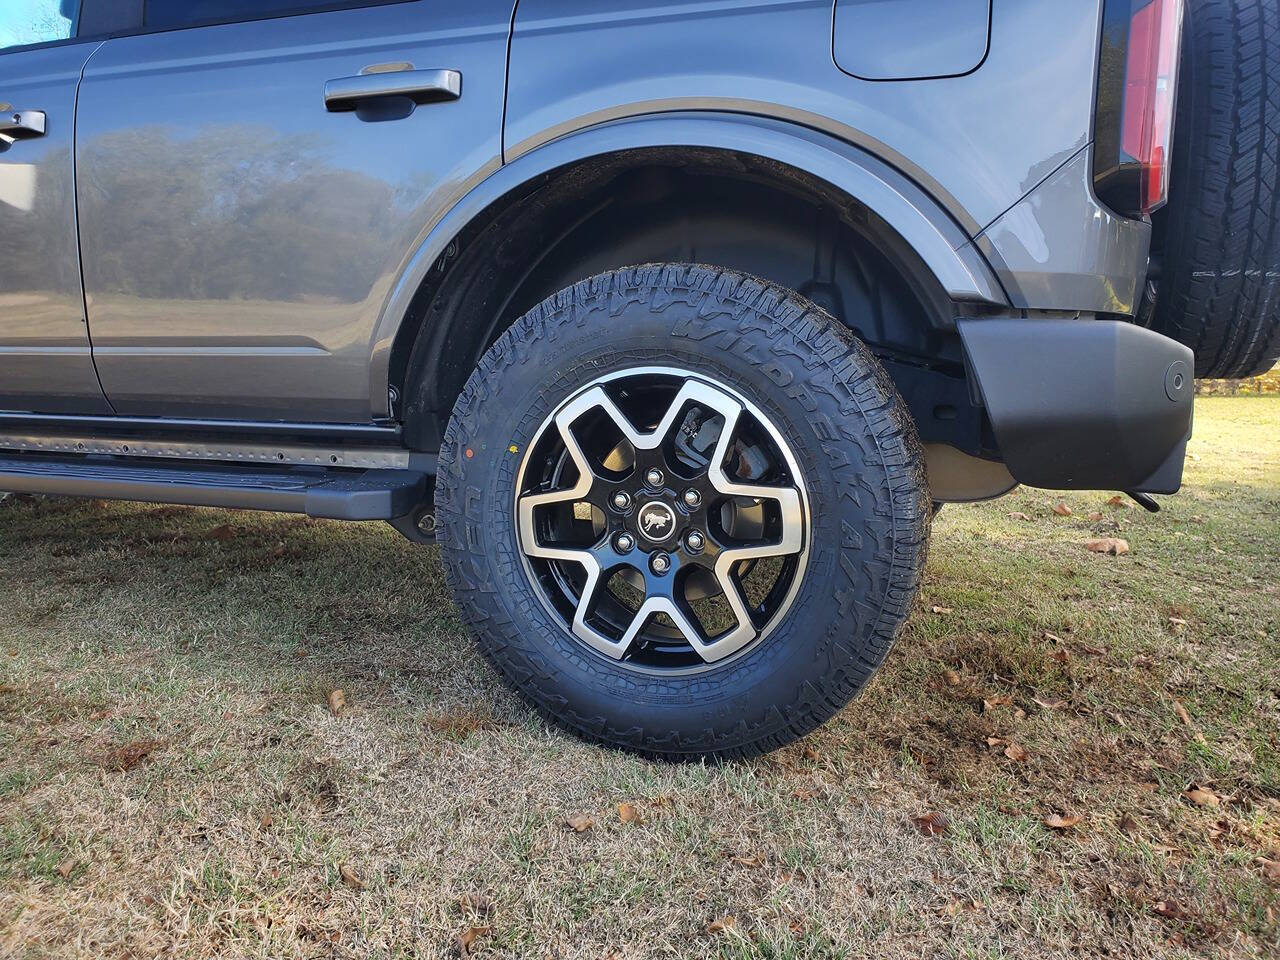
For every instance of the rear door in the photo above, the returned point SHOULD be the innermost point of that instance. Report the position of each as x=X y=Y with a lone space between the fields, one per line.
x=45 y=362
x=246 y=204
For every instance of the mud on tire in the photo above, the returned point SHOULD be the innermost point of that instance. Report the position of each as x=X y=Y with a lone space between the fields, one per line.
x=860 y=463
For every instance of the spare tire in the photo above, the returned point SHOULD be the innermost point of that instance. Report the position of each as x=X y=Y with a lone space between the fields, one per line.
x=1219 y=288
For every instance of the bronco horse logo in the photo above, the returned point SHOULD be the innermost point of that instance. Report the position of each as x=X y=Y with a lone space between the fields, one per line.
x=656 y=521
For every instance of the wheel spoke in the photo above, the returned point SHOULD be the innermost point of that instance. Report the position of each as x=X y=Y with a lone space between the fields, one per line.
x=530 y=502
x=656 y=605
x=787 y=498
x=652 y=605
x=690 y=391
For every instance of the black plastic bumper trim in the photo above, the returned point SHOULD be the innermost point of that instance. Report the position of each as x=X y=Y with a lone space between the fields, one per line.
x=1084 y=404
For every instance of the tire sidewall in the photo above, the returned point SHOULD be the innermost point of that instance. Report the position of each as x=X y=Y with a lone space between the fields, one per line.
x=831 y=637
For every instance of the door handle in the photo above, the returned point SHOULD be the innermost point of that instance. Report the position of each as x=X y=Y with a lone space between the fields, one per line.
x=22 y=124
x=420 y=86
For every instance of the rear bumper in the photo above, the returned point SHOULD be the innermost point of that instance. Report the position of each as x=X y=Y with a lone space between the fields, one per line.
x=1084 y=404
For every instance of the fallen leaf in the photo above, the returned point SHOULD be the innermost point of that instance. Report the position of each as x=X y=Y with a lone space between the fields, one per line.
x=949 y=909
x=1181 y=711
x=1018 y=515
x=1128 y=825
x=64 y=869
x=1177 y=621
x=1061 y=509
x=1049 y=704
x=722 y=925
x=337 y=701
x=952 y=678
x=1015 y=751
x=1092 y=651
x=466 y=939
x=1171 y=910
x=1052 y=637
x=1095 y=517
x=1271 y=869
x=1056 y=821
x=746 y=860
x=580 y=822
x=932 y=824
x=1118 y=501
x=1202 y=797
x=265 y=820
x=476 y=903
x=350 y=877
x=1113 y=546
x=627 y=813
x=1000 y=701
x=941 y=610
x=124 y=758
x=223 y=532
x=810 y=754
x=994 y=741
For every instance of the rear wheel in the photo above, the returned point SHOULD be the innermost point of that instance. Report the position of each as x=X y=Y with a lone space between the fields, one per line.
x=683 y=511
x=1219 y=290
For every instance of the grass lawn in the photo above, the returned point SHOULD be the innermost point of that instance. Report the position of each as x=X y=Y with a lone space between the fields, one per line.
x=172 y=780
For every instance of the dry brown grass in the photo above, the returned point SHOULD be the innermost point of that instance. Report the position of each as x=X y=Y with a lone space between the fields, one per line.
x=173 y=781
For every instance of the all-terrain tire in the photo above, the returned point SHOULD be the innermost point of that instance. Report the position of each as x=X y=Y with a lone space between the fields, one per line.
x=1220 y=277
x=857 y=451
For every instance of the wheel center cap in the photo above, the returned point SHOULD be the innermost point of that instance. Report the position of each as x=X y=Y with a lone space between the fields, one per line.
x=656 y=520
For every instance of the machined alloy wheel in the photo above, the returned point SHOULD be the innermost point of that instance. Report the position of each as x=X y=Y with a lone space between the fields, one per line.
x=683 y=511
x=694 y=522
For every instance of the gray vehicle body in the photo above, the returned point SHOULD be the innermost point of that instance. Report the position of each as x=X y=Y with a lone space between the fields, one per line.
x=199 y=238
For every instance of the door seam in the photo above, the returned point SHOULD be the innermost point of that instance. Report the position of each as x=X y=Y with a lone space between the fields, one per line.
x=506 y=85
x=75 y=210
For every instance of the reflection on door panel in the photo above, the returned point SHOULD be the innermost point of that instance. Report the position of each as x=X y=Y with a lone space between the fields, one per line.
x=239 y=239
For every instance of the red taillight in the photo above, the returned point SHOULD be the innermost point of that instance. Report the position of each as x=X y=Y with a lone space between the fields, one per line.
x=1150 y=82
x=1137 y=87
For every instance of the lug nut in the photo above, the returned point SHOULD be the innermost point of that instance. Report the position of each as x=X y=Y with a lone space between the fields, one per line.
x=692 y=498
x=624 y=542
x=661 y=563
x=621 y=500
x=654 y=477
x=695 y=541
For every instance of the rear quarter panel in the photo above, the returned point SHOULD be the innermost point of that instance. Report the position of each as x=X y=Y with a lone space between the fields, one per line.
x=977 y=142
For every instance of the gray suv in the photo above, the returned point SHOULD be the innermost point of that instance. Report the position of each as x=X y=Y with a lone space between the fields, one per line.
x=672 y=324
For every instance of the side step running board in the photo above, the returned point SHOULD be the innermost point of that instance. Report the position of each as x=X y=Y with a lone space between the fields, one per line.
x=335 y=494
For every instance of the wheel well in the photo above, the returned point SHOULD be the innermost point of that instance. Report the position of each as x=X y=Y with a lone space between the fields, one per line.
x=641 y=206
